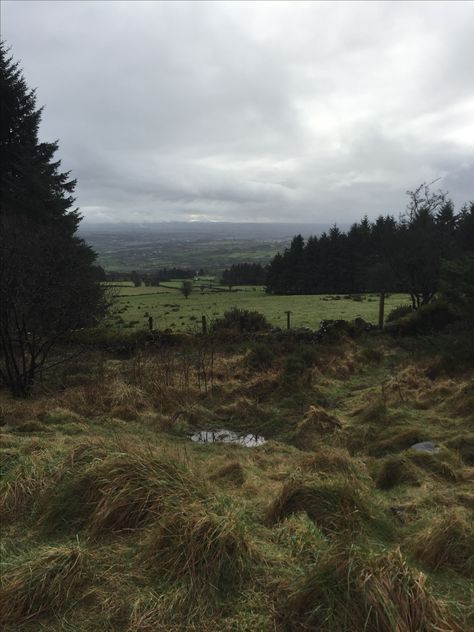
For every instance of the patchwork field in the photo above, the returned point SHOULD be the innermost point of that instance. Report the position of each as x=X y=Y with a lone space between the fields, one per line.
x=171 y=310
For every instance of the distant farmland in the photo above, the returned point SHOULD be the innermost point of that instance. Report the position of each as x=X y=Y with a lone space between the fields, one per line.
x=170 y=310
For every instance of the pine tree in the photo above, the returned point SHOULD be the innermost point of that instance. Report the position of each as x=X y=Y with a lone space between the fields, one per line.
x=48 y=282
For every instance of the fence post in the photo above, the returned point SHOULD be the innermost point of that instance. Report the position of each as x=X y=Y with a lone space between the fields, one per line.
x=381 y=309
x=150 y=323
x=288 y=320
x=204 y=325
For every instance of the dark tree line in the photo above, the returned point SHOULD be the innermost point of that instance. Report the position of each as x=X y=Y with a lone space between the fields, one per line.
x=387 y=254
x=245 y=274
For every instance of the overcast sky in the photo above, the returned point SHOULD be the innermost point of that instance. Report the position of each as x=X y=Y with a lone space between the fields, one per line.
x=251 y=111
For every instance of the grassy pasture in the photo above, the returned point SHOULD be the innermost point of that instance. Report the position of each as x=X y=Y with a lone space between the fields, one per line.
x=170 y=310
x=113 y=520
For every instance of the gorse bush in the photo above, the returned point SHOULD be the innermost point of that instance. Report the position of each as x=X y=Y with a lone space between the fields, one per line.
x=243 y=320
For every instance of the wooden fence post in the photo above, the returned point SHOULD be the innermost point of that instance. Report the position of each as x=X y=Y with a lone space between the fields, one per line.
x=288 y=320
x=381 y=309
x=204 y=325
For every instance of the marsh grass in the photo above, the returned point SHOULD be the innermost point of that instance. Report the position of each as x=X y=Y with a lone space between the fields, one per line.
x=44 y=584
x=205 y=546
x=448 y=542
x=348 y=590
x=335 y=505
x=118 y=493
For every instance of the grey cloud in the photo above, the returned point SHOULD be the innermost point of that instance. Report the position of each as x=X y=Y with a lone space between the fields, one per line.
x=245 y=111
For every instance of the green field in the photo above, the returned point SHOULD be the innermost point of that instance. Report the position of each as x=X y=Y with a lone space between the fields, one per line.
x=170 y=310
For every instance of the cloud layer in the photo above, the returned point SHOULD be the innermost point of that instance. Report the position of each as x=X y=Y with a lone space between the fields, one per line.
x=251 y=111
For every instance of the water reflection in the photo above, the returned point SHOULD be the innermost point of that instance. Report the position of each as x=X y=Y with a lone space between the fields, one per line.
x=227 y=436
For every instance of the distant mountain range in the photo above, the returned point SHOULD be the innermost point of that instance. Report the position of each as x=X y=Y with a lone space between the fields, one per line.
x=208 y=230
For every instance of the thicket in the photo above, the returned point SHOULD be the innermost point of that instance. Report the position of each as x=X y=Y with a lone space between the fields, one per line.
x=244 y=274
x=404 y=255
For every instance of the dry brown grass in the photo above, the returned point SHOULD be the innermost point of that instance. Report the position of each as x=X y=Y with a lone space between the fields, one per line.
x=119 y=492
x=44 y=584
x=347 y=591
x=333 y=461
x=207 y=549
x=232 y=473
x=448 y=542
x=335 y=505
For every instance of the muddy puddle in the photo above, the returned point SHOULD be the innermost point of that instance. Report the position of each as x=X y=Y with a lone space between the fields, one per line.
x=228 y=436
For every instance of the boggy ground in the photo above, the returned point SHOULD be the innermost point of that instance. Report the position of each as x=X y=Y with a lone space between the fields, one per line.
x=114 y=520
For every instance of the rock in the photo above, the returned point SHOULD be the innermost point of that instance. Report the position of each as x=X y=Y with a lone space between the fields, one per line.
x=425 y=446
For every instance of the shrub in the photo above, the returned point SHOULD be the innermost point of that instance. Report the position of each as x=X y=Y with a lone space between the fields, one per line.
x=430 y=318
x=398 y=312
x=261 y=356
x=243 y=320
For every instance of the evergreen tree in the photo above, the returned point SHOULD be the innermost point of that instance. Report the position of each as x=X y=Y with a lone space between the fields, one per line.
x=48 y=282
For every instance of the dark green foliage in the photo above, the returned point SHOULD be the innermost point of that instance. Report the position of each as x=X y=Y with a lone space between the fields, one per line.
x=389 y=255
x=48 y=282
x=244 y=274
x=429 y=318
x=244 y=320
x=261 y=356
x=398 y=312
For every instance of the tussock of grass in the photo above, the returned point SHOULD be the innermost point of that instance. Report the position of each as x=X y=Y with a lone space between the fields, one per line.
x=316 y=421
x=120 y=492
x=23 y=483
x=231 y=473
x=374 y=412
x=439 y=465
x=60 y=416
x=30 y=426
x=464 y=445
x=335 y=505
x=332 y=461
x=206 y=549
x=397 y=470
x=8 y=460
x=397 y=439
x=43 y=585
x=301 y=537
x=448 y=542
x=346 y=591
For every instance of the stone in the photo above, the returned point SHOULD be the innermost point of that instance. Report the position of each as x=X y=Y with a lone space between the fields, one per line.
x=425 y=446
